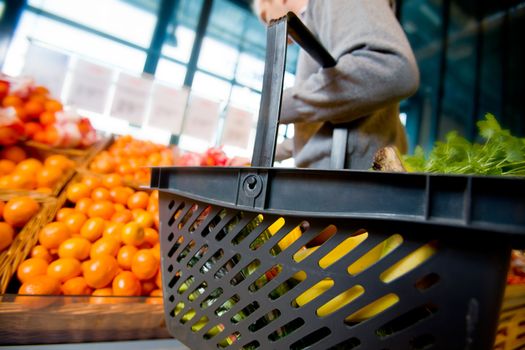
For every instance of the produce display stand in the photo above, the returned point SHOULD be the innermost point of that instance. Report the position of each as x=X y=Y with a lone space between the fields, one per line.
x=428 y=273
x=53 y=319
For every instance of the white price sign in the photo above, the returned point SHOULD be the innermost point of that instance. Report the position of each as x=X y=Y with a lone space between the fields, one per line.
x=201 y=118
x=90 y=86
x=47 y=67
x=130 y=99
x=237 y=127
x=167 y=108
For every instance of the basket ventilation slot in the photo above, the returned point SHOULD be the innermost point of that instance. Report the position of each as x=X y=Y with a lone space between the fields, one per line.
x=406 y=320
x=311 y=339
x=212 y=298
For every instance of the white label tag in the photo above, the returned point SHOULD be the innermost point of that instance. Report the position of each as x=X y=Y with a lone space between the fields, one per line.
x=167 y=108
x=90 y=86
x=201 y=118
x=237 y=127
x=47 y=67
x=130 y=99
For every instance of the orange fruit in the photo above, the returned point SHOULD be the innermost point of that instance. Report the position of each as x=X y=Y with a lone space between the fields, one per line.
x=53 y=234
x=153 y=207
x=101 y=209
x=120 y=207
x=15 y=154
x=77 y=191
x=93 y=229
x=83 y=205
x=100 y=194
x=41 y=252
x=151 y=236
x=53 y=105
x=33 y=108
x=18 y=211
x=102 y=165
x=6 y=235
x=47 y=118
x=132 y=234
x=12 y=101
x=48 y=176
x=40 y=90
x=125 y=169
x=64 y=268
x=158 y=280
x=157 y=221
x=92 y=181
x=148 y=286
x=113 y=230
x=155 y=297
x=76 y=248
x=145 y=219
x=156 y=251
x=2 y=206
x=75 y=221
x=125 y=256
x=105 y=246
x=100 y=271
x=30 y=268
x=154 y=196
x=59 y=161
x=23 y=180
x=63 y=213
x=40 y=285
x=8 y=166
x=138 y=200
x=111 y=181
x=31 y=128
x=5 y=182
x=123 y=216
x=40 y=136
x=76 y=286
x=99 y=296
x=29 y=165
x=126 y=284
x=120 y=194
x=137 y=212
x=144 y=264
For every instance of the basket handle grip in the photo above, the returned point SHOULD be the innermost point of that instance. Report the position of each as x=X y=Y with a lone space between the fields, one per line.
x=272 y=90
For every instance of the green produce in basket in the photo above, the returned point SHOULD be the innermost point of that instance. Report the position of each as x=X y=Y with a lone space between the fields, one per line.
x=500 y=154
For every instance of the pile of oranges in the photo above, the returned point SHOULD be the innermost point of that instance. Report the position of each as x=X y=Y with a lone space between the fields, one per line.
x=14 y=214
x=19 y=171
x=130 y=158
x=104 y=242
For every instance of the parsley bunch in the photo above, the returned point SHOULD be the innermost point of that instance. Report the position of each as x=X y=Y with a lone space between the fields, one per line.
x=500 y=154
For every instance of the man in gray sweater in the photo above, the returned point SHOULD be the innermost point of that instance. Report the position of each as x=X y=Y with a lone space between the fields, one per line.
x=375 y=70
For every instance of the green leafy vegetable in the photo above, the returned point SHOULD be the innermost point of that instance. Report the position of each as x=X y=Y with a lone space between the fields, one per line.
x=500 y=154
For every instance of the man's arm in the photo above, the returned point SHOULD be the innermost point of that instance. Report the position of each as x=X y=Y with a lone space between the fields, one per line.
x=375 y=64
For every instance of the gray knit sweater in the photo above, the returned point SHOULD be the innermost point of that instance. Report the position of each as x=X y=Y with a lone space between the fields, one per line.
x=375 y=70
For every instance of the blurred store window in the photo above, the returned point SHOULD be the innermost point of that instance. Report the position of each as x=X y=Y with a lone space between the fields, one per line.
x=154 y=42
x=113 y=17
x=471 y=63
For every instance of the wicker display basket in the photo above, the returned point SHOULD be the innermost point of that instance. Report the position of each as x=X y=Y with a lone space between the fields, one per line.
x=27 y=237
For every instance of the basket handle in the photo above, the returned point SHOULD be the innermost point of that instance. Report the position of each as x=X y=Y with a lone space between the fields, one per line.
x=272 y=90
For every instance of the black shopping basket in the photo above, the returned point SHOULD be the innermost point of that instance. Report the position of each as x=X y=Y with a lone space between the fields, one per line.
x=273 y=258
